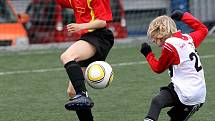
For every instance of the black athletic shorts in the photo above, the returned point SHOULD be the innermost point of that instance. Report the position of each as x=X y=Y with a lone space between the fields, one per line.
x=103 y=40
x=179 y=111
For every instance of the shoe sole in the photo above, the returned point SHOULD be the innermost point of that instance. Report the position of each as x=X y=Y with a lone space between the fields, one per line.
x=74 y=107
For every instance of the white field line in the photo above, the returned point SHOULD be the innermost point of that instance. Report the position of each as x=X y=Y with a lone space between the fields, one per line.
x=60 y=69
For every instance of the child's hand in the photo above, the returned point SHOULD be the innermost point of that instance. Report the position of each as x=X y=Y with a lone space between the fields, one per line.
x=177 y=15
x=145 y=49
x=73 y=27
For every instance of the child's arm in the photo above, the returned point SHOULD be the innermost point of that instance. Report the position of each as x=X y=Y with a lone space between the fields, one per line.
x=97 y=24
x=168 y=57
x=200 y=30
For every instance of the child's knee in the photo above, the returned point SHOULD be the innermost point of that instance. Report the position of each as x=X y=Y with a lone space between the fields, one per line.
x=63 y=57
x=158 y=102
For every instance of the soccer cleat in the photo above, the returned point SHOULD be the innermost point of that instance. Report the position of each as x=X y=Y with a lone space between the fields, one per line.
x=147 y=119
x=79 y=102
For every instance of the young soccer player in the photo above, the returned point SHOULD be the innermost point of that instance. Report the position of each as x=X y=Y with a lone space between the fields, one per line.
x=95 y=43
x=187 y=91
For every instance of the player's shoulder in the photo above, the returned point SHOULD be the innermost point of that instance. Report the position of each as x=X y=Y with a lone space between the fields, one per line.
x=172 y=43
x=174 y=40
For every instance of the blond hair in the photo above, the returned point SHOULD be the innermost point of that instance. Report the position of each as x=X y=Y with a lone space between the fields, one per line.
x=162 y=25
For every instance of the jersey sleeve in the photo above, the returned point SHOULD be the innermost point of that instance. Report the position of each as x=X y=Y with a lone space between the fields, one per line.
x=64 y=3
x=102 y=9
x=169 y=56
x=200 y=30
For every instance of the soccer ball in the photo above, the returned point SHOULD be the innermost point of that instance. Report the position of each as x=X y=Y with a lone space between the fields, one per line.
x=99 y=74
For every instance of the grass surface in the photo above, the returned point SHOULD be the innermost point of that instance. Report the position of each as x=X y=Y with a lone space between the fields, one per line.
x=33 y=86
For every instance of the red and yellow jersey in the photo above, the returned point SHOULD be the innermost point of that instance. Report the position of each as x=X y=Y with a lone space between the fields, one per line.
x=88 y=10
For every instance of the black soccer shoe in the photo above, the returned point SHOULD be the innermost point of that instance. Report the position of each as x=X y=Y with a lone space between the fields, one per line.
x=79 y=102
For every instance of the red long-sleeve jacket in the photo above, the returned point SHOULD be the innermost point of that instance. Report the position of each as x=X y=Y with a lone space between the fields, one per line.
x=169 y=55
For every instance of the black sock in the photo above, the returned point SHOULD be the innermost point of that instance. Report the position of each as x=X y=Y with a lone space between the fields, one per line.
x=84 y=115
x=76 y=76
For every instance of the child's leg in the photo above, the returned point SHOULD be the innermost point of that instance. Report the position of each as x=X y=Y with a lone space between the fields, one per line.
x=79 y=51
x=84 y=115
x=182 y=112
x=162 y=100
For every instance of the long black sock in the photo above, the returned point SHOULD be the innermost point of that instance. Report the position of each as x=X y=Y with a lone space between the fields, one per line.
x=76 y=76
x=84 y=115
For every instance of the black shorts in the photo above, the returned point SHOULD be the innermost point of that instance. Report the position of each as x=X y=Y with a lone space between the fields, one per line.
x=179 y=111
x=103 y=40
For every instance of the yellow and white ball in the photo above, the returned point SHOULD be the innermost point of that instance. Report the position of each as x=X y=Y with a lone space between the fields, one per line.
x=99 y=74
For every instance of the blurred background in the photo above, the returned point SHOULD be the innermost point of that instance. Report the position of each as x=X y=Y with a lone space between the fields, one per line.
x=27 y=22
